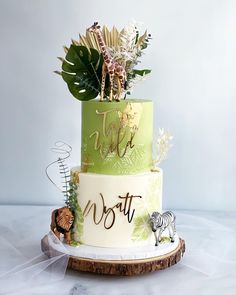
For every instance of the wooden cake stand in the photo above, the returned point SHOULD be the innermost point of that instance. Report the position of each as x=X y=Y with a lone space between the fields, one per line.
x=119 y=267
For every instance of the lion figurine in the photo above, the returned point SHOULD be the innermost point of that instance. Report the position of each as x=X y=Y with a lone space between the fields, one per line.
x=61 y=223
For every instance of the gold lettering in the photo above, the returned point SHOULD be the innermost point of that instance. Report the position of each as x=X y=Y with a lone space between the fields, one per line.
x=108 y=215
x=113 y=135
x=128 y=144
x=94 y=207
x=104 y=120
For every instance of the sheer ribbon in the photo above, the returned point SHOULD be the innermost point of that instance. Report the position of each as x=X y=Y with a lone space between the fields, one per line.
x=210 y=244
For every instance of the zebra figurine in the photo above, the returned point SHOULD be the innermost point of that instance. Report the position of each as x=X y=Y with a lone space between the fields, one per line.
x=159 y=222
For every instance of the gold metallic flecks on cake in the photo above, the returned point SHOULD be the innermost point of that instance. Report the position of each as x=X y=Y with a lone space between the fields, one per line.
x=131 y=115
x=86 y=163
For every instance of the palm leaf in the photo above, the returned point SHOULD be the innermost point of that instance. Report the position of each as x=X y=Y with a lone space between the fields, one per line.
x=115 y=35
x=84 y=42
x=106 y=36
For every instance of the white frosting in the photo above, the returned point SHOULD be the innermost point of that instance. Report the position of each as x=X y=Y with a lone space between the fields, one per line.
x=122 y=233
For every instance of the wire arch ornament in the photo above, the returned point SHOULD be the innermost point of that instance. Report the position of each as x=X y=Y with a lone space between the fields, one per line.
x=64 y=151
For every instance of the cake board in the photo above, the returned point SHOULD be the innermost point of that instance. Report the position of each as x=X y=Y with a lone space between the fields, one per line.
x=121 y=267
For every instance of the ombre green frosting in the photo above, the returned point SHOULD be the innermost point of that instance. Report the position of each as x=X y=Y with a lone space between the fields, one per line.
x=117 y=136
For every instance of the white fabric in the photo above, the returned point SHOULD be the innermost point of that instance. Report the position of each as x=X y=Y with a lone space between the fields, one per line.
x=208 y=266
x=18 y=272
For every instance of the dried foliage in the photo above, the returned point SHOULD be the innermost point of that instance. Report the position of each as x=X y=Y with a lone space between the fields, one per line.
x=129 y=51
x=163 y=145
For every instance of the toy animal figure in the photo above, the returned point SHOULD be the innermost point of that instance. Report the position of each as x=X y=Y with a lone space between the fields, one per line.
x=159 y=222
x=61 y=223
x=110 y=66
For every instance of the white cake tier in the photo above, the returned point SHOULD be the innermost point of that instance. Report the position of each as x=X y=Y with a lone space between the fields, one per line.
x=114 y=210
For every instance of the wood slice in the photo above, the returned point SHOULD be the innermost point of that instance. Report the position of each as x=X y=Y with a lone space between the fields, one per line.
x=120 y=267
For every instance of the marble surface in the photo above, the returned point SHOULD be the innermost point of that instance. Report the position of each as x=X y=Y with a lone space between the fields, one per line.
x=209 y=266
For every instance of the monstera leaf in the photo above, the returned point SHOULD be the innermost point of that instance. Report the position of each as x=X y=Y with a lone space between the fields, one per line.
x=81 y=70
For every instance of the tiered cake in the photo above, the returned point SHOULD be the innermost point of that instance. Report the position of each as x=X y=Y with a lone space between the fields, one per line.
x=117 y=189
x=112 y=219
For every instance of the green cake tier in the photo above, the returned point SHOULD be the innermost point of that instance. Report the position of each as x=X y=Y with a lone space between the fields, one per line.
x=117 y=136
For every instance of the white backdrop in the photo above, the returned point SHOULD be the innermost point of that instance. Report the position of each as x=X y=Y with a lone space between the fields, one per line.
x=193 y=58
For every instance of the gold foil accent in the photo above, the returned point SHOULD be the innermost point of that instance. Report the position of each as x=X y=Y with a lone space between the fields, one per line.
x=131 y=115
x=86 y=163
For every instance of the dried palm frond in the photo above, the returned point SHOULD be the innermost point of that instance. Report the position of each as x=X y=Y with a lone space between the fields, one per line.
x=115 y=37
x=106 y=36
x=89 y=40
x=74 y=42
x=83 y=42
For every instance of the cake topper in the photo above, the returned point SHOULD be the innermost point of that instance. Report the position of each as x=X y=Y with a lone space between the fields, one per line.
x=159 y=222
x=61 y=223
x=110 y=66
x=62 y=219
x=64 y=150
x=100 y=52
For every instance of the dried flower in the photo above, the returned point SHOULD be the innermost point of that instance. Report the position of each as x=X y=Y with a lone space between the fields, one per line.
x=129 y=51
x=163 y=146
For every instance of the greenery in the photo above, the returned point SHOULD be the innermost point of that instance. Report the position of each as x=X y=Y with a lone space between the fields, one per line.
x=165 y=240
x=74 y=205
x=140 y=72
x=142 y=229
x=82 y=65
x=81 y=70
x=72 y=201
